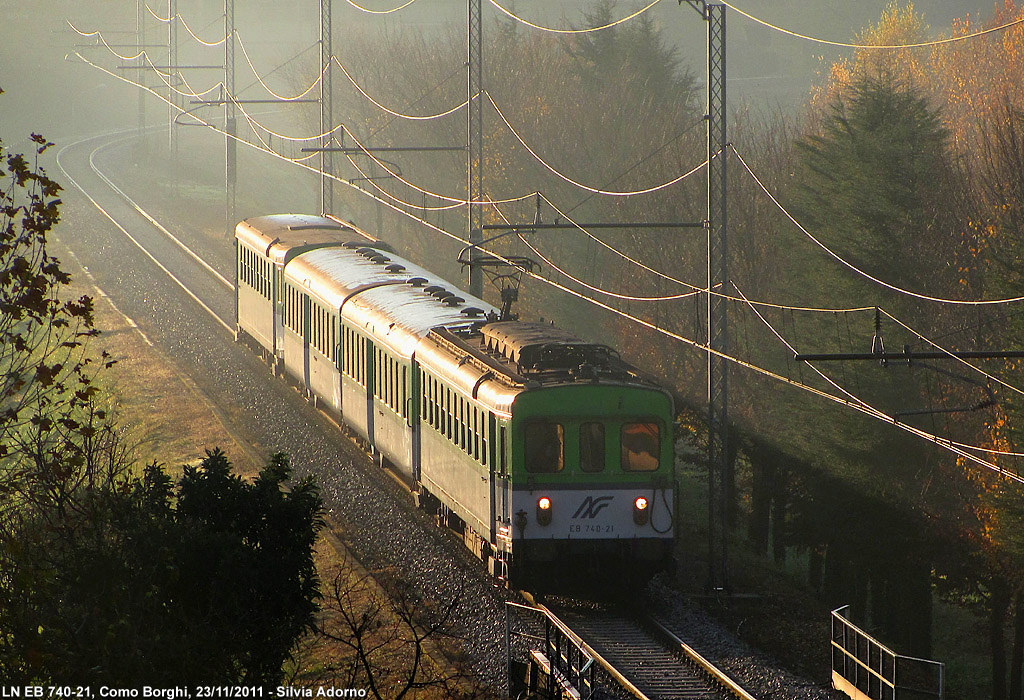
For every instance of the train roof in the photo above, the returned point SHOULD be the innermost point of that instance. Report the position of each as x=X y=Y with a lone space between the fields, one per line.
x=402 y=315
x=533 y=355
x=281 y=237
x=391 y=297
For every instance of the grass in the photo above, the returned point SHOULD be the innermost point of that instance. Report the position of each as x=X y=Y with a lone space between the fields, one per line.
x=171 y=421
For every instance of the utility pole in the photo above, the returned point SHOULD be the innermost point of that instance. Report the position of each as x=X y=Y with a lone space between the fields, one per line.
x=720 y=479
x=172 y=61
x=475 y=141
x=718 y=280
x=228 y=95
x=140 y=31
x=326 y=111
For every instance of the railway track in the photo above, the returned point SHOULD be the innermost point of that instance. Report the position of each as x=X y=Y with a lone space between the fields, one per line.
x=637 y=653
x=175 y=286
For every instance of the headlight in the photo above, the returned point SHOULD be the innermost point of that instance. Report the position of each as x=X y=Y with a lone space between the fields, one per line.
x=640 y=512
x=543 y=510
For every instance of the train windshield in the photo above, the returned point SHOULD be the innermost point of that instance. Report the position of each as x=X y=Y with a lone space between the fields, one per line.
x=545 y=447
x=592 y=447
x=641 y=445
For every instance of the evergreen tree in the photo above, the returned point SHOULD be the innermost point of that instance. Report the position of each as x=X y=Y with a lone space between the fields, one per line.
x=141 y=583
x=872 y=180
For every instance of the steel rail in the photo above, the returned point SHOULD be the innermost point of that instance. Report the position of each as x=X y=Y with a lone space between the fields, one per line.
x=148 y=217
x=124 y=230
x=671 y=642
x=695 y=657
x=611 y=670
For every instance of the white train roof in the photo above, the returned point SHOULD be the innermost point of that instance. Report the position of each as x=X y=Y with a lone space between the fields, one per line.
x=389 y=296
x=402 y=315
x=282 y=236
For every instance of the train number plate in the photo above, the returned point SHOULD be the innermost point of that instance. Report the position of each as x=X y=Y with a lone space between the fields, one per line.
x=587 y=529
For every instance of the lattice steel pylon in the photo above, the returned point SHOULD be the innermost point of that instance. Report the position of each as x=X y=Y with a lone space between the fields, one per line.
x=174 y=101
x=228 y=94
x=475 y=141
x=717 y=317
x=717 y=328
x=326 y=110
x=140 y=33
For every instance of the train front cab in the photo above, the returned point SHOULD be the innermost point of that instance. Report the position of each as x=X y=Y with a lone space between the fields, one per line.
x=592 y=483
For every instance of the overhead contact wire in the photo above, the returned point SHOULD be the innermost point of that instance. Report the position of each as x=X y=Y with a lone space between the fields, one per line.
x=950 y=353
x=580 y=185
x=941 y=442
x=392 y=112
x=380 y=12
x=554 y=30
x=283 y=98
x=923 y=44
x=855 y=402
x=854 y=268
x=694 y=287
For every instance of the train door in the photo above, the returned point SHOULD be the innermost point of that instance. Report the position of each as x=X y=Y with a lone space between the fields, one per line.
x=306 y=335
x=278 y=303
x=501 y=484
x=413 y=404
x=340 y=348
x=238 y=266
x=370 y=367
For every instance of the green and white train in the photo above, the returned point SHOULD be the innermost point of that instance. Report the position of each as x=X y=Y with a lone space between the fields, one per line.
x=551 y=455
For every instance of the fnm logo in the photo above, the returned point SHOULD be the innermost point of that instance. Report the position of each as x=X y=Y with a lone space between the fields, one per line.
x=592 y=506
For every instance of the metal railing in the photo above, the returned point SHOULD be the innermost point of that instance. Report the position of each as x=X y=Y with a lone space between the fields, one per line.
x=865 y=669
x=567 y=665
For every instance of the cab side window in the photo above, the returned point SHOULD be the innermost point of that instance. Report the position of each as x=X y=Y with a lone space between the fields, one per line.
x=544 y=447
x=641 y=445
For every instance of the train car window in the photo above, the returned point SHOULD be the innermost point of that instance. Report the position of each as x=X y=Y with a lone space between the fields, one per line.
x=477 y=429
x=503 y=459
x=435 y=409
x=445 y=412
x=394 y=384
x=487 y=448
x=450 y=423
x=544 y=447
x=464 y=425
x=592 y=457
x=641 y=445
x=432 y=402
x=439 y=401
x=378 y=373
x=460 y=427
x=346 y=364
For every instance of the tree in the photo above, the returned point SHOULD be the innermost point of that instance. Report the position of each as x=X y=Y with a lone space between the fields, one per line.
x=873 y=178
x=139 y=582
x=390 y=642
x=45 y=377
